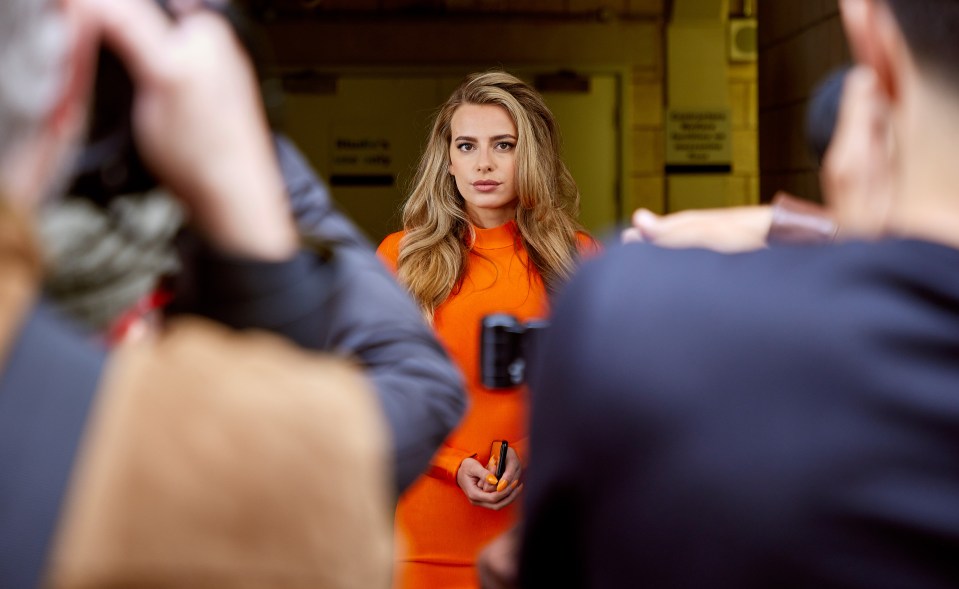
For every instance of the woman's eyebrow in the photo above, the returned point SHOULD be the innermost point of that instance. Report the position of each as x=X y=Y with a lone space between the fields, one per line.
x=494 y=138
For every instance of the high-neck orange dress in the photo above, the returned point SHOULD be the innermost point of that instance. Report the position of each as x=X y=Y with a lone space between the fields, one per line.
x=439 y=533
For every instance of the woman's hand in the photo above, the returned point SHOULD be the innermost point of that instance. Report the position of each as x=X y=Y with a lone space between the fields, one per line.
x=479 y=483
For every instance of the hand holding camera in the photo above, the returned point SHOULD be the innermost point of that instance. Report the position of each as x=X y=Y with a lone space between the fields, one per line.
x=199 y=123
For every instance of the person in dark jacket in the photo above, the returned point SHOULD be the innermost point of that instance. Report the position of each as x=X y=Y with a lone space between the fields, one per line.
x=783 y=418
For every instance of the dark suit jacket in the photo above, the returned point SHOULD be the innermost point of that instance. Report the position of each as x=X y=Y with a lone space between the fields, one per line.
x=787 y=418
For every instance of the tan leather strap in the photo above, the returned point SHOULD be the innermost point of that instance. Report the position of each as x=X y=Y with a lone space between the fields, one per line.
x=20 y=268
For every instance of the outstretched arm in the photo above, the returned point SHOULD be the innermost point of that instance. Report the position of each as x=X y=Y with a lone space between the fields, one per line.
x=736 y=229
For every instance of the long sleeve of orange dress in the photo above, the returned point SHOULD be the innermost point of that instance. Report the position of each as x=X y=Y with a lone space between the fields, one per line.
x=439 y=533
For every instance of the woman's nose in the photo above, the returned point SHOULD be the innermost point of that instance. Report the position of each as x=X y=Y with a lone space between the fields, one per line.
x=484 y=163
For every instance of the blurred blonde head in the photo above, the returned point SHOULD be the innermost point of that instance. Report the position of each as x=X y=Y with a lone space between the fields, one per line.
x=434 y=252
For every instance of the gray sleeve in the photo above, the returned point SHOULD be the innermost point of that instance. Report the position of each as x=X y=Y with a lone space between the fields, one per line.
x=373 y=320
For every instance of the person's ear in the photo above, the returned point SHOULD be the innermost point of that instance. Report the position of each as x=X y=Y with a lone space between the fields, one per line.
x=855 y=20
x=875 y=41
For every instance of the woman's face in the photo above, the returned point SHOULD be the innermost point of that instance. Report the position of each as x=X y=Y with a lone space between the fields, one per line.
x=483 y=162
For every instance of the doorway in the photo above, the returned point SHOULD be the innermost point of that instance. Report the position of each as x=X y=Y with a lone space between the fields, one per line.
x=364 y=134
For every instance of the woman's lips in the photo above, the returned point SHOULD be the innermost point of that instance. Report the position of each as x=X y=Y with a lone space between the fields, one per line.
x=486 y=185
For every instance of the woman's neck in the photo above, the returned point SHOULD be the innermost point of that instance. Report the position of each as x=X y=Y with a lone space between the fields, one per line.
x=490 y=218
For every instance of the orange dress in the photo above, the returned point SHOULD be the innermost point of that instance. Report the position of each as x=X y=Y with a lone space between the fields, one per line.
x=439 y=533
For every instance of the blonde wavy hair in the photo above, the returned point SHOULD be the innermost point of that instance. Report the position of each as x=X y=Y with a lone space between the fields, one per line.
x=434 y=253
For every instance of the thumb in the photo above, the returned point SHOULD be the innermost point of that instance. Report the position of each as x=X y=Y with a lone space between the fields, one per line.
x=135 y=30
x=646 y=222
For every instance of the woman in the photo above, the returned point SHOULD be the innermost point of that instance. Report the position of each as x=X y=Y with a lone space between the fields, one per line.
x=489 y=227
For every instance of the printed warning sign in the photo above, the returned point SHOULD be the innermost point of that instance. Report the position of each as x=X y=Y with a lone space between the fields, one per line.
x=698 y=138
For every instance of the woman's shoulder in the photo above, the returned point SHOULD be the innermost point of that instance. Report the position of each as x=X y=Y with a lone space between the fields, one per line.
x=389 y=249
x=586 y=245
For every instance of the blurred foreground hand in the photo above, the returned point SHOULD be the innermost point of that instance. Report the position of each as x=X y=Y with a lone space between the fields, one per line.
x=728 y=230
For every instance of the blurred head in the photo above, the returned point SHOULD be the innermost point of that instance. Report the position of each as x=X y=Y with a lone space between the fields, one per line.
x=894 y=36
x=890 y=170
x=929 y=27
x=103 y=265
x=823 y=111
x=32 y=48
x=536 y=188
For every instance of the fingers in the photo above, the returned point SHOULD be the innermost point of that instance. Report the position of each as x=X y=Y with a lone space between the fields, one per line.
x=502 y=494
x=514 y=467
x=645 y=220
x=650 y=227
x=488 y=483
x=496 y=500
x=631 y=235
x=512 y=474
x=492 y=466
x=471 y=477
x=494 y=497
x=483 y=489
x=135 y=29
x=646 y=223
x=507 y=496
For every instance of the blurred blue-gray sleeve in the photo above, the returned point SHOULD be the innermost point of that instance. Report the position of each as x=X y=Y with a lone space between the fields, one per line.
x=372 y=319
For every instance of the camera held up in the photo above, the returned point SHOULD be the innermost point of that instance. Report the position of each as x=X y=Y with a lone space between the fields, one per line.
x=110 y=164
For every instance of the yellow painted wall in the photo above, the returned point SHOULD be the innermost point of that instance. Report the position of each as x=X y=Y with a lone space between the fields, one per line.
x=701 y=77
x=800 y=43
x=626 y=38
x=394 y=110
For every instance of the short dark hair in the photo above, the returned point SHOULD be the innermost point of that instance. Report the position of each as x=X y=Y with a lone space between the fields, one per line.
x=822 y=112
x=929 y=27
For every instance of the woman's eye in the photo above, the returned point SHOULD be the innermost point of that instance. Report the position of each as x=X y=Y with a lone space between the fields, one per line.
x=465 y=147
x=504 y=146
